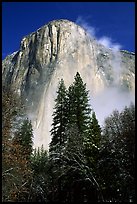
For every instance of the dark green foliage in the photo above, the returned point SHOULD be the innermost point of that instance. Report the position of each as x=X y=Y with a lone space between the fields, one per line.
x=39 y=160
x=95 y=131
x=25 y=136
x=39 y=165
x=79 y=108
x=92 y=142
x=70 y=171
x=58 y=138
x=59 y=119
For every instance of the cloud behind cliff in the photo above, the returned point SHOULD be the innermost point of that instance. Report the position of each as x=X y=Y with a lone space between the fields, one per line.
x=88 y=28
x=91 y=30
x=108 y=43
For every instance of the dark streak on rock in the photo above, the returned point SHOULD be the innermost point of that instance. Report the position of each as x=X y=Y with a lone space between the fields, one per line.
x=51 y=41
x=58 y=42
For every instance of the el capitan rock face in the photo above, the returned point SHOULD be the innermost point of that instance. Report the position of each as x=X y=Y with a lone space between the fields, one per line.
x=58 y=50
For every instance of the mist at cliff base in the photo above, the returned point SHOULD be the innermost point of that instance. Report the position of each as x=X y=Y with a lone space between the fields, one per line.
x=105 y=102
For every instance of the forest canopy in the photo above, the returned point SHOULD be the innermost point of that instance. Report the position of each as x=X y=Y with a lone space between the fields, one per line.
x=85 y=162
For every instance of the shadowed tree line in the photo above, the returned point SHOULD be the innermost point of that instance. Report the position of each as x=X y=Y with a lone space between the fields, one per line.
x=85 y=163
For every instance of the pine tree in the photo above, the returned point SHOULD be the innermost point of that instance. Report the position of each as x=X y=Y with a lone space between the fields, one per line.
x=92 y=141
x=59 y=119
x=25 y=136
x=90 y=132
x=39 y=165
x=79 y=108
x=58 y=135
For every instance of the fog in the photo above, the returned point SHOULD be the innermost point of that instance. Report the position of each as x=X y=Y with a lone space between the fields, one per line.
x=112 y=97
x=108 y=100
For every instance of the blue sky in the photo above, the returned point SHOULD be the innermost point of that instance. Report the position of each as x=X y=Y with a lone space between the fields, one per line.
x=114 y=20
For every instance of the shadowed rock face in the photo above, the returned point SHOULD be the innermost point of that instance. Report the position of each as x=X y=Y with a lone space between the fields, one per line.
x=58 y=50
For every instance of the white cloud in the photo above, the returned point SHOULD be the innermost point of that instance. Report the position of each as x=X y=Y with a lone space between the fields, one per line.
x=104 y=40
x=89 y=29
x=107 y=42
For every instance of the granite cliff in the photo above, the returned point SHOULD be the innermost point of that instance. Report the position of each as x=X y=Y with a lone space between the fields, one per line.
x=58 y=50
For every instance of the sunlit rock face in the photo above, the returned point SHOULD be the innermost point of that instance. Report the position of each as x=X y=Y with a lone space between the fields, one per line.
x=58 y=50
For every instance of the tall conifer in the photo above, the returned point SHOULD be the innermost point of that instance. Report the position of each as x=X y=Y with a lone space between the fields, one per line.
x=79 y=108
x=59 y=119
